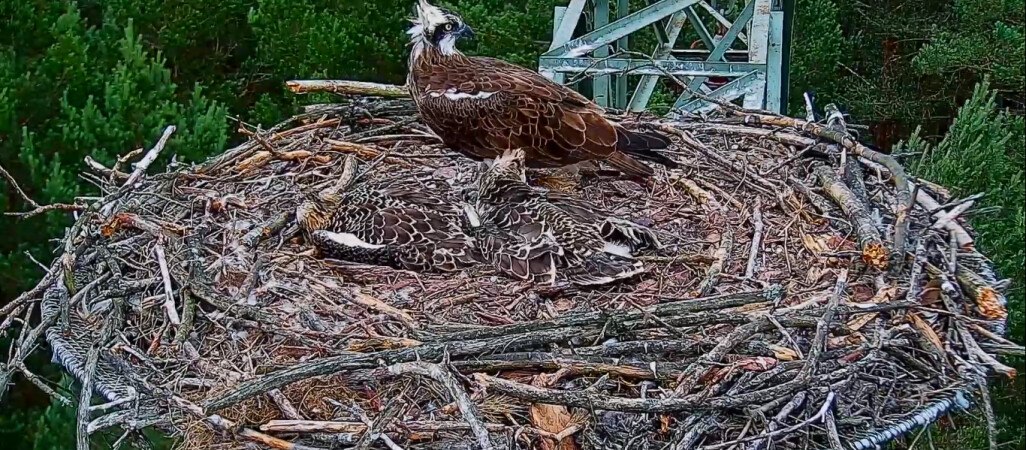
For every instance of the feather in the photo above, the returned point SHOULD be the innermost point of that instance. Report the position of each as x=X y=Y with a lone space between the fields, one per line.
x=526 y=231
x=482 y=106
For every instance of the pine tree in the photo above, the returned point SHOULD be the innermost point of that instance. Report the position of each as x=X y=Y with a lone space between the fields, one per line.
x=983 y=152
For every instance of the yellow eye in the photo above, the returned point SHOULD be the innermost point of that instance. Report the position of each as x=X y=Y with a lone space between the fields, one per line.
x=448 y=27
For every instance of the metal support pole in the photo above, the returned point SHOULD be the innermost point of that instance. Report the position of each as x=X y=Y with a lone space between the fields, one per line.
x=623 y=44
x=775 y=56
x=600 y=85
x=758 y=48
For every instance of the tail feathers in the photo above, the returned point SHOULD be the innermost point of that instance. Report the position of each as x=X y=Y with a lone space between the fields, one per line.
x=628 y=165
x=641 y=145
x=635 y=236
x=603 y=268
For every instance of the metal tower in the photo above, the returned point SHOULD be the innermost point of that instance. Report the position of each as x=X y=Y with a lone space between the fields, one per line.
x=746 y=59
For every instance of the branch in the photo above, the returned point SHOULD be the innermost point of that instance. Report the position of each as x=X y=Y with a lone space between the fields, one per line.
x=874 y=252
x=466 y=405
x=819 y=416
x=37 y=209
x=346 y=87
x=150 y=156
x=594 y=400
x=756 y=240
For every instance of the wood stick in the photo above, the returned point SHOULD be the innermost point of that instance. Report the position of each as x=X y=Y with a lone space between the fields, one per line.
x=756 y=240
x=467 y=407
x=594 y=400
x=722 y=255
x=681 y=306
x=779 y=418
x=874 y=252
x=150 y=156
x=169 y=300
x=318 y=426
x=284 y=405
x=370 y=302
x=823 y=326
x=346 y=87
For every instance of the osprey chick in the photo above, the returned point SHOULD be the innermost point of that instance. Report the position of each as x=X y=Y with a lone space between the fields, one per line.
x=482 y=107
x=589 y=244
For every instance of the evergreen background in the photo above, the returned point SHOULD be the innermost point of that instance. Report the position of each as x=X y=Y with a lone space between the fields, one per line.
x=941 y=82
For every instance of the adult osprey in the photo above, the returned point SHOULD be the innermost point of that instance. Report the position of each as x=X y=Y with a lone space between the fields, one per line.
x=482 y=106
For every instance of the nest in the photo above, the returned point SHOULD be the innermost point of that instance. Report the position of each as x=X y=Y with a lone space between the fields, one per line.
x=809 y=294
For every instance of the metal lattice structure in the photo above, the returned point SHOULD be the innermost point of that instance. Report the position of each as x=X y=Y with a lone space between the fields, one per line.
x=746 y=59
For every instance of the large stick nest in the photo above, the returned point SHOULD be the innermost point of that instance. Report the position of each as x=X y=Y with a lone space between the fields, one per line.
x=810 y=294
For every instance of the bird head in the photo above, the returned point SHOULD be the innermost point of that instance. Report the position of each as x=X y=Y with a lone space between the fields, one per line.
x=439 y=27
x=505 y=170
x=510 y=164
x=318 y=205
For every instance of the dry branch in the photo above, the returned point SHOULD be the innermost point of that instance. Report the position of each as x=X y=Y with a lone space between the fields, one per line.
x=346 y=88
x=874 y=252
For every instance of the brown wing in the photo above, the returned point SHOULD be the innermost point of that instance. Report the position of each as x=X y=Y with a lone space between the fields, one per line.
x=483 y=106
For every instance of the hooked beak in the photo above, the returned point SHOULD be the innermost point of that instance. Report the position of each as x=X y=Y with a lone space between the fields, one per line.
x=466 y=32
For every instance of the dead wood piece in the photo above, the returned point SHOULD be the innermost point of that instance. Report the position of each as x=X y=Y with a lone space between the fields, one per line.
x=169 y=300
x=150 y=156
x=469 y=410
x=990 y=302
x=721 y=258
x=589 y=399
x=874 y=252
x=346 y=87
x=370 y=302
x=419 y=427
x=756 y=240
x=823 y=326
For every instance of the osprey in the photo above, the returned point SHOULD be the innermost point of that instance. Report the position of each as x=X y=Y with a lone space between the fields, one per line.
x=585 y=243
x=482 y=107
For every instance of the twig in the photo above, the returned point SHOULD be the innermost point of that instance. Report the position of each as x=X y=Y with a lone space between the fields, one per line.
x=823 y=326
x=17 y=188
x=169 y=299
x=37 y=209
x=819 y=416
x=34 y=379
x=831 y=429
x=944 y=218
x=284 y=405
x=375 y=428
x=722 y=254
x=988 y=411
x=150 y=156
x=316 y=426
x=756 y=240
x=779 y=418
x=466 y=405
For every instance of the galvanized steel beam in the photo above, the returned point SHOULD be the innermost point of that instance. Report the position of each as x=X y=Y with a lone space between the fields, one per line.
x=718 y=51
x=623 y=44
x=757 y=74
x=600 y=85
x=743 y=86
x=643 y=92
x=633 y=22
x=599 y=66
